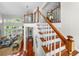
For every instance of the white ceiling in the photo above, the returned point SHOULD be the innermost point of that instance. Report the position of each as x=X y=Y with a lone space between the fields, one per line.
x=18 y=9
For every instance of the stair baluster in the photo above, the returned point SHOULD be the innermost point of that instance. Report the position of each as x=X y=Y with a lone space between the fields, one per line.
x=48 y=35
x=59 y=48
x=54 y=46
x=51 y=42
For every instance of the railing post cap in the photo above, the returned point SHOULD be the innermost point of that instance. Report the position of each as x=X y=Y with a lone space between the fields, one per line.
x=69 y=36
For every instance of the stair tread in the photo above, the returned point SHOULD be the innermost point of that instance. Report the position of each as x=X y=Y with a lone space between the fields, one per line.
x=75 y=53
x=44 y=28
x=42 y=24
x=43 y=40
x=48 y=50
x=46 y=32
x=65 y=53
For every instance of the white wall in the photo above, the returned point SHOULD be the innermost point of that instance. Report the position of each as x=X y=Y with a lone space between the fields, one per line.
x=70 y=19
x=1 y=25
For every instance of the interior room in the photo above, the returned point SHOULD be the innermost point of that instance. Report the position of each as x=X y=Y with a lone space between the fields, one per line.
x=39 y=29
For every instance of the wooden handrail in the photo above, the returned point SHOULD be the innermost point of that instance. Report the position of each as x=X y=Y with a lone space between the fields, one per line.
x=61 y=36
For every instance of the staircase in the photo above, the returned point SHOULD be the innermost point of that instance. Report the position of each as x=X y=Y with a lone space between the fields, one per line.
x=52 y=41
x=49 y=41
x=52 y=45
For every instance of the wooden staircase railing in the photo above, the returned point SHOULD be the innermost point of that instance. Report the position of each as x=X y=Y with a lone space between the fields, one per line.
x=69 y=43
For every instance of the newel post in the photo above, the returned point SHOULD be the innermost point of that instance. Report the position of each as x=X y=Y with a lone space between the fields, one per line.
x=70 y=45
x=37 y=14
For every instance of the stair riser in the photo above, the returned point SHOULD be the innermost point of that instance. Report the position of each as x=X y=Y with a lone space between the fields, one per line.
x=55 y=51
x=44 y=30
x=51 y=41
x=47 y=35
x=46 y=24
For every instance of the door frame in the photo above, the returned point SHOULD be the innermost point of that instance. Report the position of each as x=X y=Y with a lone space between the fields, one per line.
x=33 y=25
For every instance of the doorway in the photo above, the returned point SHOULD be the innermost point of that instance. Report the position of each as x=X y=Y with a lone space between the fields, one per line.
x=29 y=43
x=29 y=37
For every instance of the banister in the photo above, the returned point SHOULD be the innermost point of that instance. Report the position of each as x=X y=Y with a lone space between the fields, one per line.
x=69 y=42
x=61 y=36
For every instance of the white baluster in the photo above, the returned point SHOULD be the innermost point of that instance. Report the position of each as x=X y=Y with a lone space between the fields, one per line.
x=51 y=43
x=48 y=36
x=54 y=45
x=60 y=48
x=36 y=17
x=24 y=38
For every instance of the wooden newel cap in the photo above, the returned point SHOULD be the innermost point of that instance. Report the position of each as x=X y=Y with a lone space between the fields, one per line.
x=70 y=36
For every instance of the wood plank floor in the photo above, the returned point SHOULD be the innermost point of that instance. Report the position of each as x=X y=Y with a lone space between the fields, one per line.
x=7 y=51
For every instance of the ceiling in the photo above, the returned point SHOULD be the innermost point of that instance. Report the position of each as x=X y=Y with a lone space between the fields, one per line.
x=18 y=9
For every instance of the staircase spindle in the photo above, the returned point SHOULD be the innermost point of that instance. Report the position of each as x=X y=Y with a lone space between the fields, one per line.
x=51 y=42
x=48 y=37
x=24 y=39
x=54 y=45
x=59 y=48
x=36 y=17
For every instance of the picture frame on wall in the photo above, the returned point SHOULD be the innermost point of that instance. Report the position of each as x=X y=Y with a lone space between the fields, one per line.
x=51 y=16
x=54 y=15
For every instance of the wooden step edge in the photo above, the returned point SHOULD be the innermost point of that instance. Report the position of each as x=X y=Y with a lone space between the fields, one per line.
x=46 y=48
x=44 y=24
x=44 y=28
x=74 y=53
x=46 y=32
x=43 y=40
x=63 y=53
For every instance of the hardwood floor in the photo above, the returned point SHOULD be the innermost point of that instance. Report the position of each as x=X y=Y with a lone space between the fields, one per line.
x=7 y=51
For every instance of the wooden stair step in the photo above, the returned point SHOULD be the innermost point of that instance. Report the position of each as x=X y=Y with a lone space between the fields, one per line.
x=44 y=28
x=48 y=50
x=75 y=53
x=46 y=32
x=65 y=53
x=42 y=24
x=43 y=40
